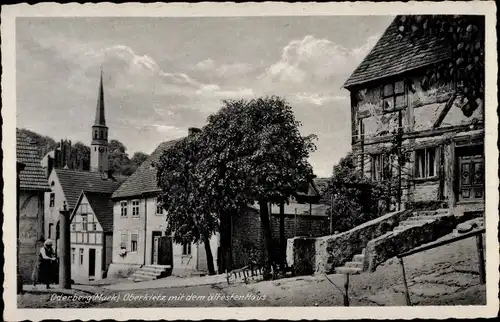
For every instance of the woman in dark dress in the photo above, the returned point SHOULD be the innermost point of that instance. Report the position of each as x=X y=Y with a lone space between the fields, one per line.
x=45 y=268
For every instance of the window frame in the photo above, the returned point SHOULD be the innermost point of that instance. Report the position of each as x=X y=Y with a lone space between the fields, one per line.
x=383 y=163
x=81 y=256
x=132 y=248
x=123 y=241
x=186 y=249
x=134 y=207
x=394 y=95
x=124 y=209
x=73 y=255
x=158 y=207
x=425 y=175
x=52 y=200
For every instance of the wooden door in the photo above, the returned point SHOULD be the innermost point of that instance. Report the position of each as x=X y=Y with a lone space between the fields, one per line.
x=165 y=250
x=154 y=247
x=471 y=177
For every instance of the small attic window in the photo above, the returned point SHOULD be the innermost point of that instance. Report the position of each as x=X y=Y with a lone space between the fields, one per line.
x=52 y=183
x=152 y=164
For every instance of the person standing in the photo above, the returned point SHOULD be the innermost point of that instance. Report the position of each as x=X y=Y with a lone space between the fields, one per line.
x=45 y=265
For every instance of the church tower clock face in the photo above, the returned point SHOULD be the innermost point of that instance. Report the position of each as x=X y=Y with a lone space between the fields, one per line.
x=101 y=149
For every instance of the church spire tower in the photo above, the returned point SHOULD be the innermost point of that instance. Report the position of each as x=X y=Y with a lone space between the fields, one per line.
x=99 y=150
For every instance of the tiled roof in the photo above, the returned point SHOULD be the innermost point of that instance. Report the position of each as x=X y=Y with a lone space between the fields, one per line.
x=32 y=177
x=292 y=208
x=102 y=205
x=143 y=180
x=392 y=56
x=74 y=182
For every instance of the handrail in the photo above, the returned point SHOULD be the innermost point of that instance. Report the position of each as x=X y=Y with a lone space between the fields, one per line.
x=442 y=242
x=480 y=248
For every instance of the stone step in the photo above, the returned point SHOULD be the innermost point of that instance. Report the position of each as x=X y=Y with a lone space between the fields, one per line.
x=145 y=274
x=428 y=217
x=354 y=264
x=358 y=258
x=415 y=222
x=153 y=269
x=159 y=266
x=431 y=212
x=348 y=270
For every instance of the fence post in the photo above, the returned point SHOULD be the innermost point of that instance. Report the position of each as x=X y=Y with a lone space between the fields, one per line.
x=480 y=257
x=346 y=292
x=407 y=292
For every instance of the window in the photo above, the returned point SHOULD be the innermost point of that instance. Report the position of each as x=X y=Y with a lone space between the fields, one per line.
x=51 y=226
x=394 y=96
x=124 y=240
x=81 y=256
x=94 y=226
x=123 y=207
x=379 y=166
x=52 y=199
x=425 y=163
x=95 y=134
x=186 y=249
x=73 y=227
x=133 y=241
x=135 y=208
x=84 y=222
x=159 y=208
x=73 y=255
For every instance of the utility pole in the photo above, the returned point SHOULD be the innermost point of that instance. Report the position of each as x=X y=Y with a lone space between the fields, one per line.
x=64 y=249
x=331 y=214
x=20 y=167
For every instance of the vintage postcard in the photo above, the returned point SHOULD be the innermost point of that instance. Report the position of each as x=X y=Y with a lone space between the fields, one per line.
x=250 y=161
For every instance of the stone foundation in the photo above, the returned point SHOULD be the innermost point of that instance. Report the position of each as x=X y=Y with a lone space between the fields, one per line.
x=121 y=270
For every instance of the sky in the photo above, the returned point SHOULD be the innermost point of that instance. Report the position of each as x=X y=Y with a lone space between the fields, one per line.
x=164 y=75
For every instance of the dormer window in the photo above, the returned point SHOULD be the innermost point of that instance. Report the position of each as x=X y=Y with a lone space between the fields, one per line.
x=394 y=96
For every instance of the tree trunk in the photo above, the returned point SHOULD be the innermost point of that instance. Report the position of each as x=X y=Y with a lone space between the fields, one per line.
x=266 y=229
x=225 y=262
x=282 y=235
x=210 y=257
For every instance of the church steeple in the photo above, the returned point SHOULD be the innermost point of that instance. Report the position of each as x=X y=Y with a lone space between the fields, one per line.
x=99 y=113
x=99 y=147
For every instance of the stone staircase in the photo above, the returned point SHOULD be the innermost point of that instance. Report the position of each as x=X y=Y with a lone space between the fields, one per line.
x=353 y=267
x=150 y=272
x=418 y=218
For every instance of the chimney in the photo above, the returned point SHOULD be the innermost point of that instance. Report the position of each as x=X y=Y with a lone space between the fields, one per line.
x=193 y=130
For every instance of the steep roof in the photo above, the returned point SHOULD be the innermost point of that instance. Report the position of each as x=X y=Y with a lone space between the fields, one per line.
x=99 y=113
x=102 y=205
x=293 y=208
x=143 y=180
x=73 y=182
x=392 y=56
x=32 y=177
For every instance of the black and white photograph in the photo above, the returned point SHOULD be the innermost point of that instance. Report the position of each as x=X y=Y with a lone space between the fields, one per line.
x=216 y=159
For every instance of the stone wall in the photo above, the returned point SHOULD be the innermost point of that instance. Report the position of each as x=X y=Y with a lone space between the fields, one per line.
x=334 y=250
x=387 y=246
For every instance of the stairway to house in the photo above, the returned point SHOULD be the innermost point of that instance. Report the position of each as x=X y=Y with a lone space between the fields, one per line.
x=353 y=267
x=150 y=272
x=418 y=218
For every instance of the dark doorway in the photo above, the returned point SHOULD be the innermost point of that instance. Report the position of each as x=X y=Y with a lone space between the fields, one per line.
x=154 y=246
x=165 y=250
x=91 y=262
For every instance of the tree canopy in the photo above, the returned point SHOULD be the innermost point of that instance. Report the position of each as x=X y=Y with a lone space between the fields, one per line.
x=253 y=150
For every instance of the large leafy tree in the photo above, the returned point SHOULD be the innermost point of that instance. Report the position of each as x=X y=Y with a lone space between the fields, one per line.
x=465 y=36
x=189 y=218
x=253 y=152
